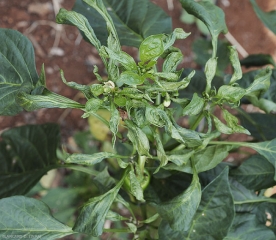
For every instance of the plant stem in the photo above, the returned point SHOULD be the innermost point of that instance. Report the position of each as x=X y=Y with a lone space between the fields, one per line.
x=197 y=122
x=141 y=163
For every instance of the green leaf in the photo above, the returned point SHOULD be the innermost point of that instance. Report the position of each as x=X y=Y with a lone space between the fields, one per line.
x=123 y=58
x=130 y=78
x=114 y=122
x=80 y=21
x=17 y=66
x=195 y=106
x=216 y=211
x=48 y=99
x=161 y=154
x=210 y=71
x=230 y=94
x=151 y=48
x=255 y=173
x=178 y=33
x=26 y=154
x=247 y=226
x=171 y=62
x=268 y=18
x=234 y=58
x=93 y=214
x=257 y=60
x=127 y=15
x=18 y=215
x=89 y=159
x=179 y=212
x=92 y=105
x=135 y=186
x=211 y=15
x=266 y=149
x=261 y=83
x=259 y=125
x=138 y=139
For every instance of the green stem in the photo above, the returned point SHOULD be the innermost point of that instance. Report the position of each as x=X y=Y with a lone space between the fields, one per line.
x=141 y=162
x=197 y=122
x=122 y=230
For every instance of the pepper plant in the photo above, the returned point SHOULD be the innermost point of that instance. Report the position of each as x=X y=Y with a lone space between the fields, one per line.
x=174 y=173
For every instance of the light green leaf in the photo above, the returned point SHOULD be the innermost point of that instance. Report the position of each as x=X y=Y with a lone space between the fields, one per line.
x=138 y=138
x=127 y=15
x=216 y=211
x=130 y=78
x=210 y=71
x=211 y=15
x=230 y=94
x=89 y=159
x=178 y=33
x=80 y=21
x=93 y=214
x=247 y=226
x=151 y=48
x=26 y=154
x=171 y=61
x=135 y=186
x=261 y=83
x=18 y=215
x=234 y=58
x=161 y=154
x=255 y=173
x=17 y=66
x=97 y=89
x=92 y=105
x=114 y=122
x=180 y=211
x=123 y=58
x=195 y=106
x=268 y=18
x=47 y=99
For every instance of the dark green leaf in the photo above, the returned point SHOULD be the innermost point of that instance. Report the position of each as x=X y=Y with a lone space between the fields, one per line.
x=268 y=18
x=92 y=216
x=17 y=66
x=257 y=60
x=247 y=226
x=259 y=125
x=180 y=211
x=127 y=15
x=27 y=153
x=18 y=215
x=216 y=211
x=255 y=173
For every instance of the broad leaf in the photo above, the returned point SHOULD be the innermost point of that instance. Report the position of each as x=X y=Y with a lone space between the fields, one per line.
x=179 y=212
x=215 y=212
x=268 y=18
x=257 y=60
x=151 y=48
x=247 y=226
x=127 y=16
x=17 y=65
x=26 y=154
x=92 y=216
x=255 y=173
x=195 y=106
x=266 y=149
x=31 y=218
x=259 y=125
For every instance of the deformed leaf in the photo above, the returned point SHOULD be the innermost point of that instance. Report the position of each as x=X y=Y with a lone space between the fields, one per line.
x=210 y=71
x=17 y=66
x=151 y=48
x=18 y=215
x=230 y=94
x=93 y=214
x=130 y=78
x=89 y=159
x=195 y=106
x=114 y=122
x=234 y=58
